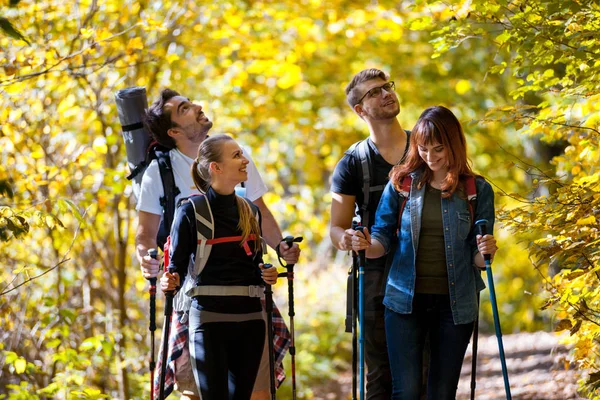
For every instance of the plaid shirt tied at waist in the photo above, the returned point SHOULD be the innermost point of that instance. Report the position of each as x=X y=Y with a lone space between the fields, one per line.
x=179 y=338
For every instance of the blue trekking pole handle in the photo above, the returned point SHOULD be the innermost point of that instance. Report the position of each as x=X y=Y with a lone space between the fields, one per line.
x=482 y=228
x=361 y=318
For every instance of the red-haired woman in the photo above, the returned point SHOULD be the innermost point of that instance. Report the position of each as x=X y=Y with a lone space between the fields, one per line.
x=433 y=281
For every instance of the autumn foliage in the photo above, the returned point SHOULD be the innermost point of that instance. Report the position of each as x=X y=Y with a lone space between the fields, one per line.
x=523 y=77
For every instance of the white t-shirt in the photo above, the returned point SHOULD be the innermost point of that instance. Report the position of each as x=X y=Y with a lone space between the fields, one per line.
x=152 y=189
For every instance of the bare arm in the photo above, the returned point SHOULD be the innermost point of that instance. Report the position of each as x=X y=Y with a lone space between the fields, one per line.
x=270 y=228
x=145 y=238
x=342 y=212
x=273 y=236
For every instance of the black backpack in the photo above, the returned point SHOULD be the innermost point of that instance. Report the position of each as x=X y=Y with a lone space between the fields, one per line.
x=141 y=150
x=167 y=201
x=362 y=154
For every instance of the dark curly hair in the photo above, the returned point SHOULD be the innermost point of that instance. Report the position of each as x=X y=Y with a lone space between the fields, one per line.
x=158 y=121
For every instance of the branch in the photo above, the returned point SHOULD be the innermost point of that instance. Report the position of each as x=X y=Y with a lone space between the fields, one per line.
x=20 y=78
x=531 y=166
x=551 y=122
x=64 y=260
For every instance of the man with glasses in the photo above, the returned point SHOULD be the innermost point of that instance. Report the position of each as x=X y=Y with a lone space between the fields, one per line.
x=371 y=95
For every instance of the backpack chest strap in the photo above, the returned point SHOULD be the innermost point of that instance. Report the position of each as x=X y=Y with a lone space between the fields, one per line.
x=229 y=239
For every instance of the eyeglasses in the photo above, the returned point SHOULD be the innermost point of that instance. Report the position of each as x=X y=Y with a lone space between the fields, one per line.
x=376 y=91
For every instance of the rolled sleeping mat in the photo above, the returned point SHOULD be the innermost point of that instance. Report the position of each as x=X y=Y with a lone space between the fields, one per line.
x=131 y=105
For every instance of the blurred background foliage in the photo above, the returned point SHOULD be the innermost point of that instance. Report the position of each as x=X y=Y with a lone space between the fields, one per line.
x=523 y=77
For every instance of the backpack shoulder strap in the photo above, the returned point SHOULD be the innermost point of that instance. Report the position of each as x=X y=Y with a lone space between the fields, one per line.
x=471 y=191
x=404 y=193
x=170 y=190
x=205 y=230
x=364 y=158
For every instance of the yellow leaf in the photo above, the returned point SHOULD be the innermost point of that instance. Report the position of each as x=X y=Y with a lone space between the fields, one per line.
x=37 y=154
x=135 y=44
x=591 y=220
x=86 y=33
x=462 y=86
x=20 y=365
x=103 y=35
x=291 y=77
x=172 y=58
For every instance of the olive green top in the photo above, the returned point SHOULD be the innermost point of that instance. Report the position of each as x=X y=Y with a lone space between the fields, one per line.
x=432 y=275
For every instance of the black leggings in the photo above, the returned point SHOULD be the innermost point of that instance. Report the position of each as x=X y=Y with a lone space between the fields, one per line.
x=225 y=356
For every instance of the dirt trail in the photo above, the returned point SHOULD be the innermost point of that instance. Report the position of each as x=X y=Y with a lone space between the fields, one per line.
x=536 y=365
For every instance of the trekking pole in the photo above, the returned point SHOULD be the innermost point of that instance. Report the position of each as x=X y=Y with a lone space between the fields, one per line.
x=474 y=352
x=354 y=272
x=269 y=310
x=482 y=225
x=154 y=254
x=354 y=327
x=289 y=240
x=361 y=318
x=166 y=325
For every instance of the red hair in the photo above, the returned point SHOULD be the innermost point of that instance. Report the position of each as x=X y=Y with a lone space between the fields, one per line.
x=435 y=125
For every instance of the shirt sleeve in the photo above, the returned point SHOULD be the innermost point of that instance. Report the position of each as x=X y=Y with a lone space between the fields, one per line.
x=386 y=217
x=485 y=209
x=183 y=239
x=344 y=180
x=255 y=186
x=151 y=190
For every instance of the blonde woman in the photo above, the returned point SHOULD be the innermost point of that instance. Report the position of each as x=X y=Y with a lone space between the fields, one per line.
x=227 y=330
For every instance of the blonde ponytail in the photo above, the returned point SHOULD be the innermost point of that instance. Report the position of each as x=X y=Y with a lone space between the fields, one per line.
x=201 y=183
x=248 y=223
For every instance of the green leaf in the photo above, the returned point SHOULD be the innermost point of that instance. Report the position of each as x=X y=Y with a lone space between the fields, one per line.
x=503 y=37
x=10 y=357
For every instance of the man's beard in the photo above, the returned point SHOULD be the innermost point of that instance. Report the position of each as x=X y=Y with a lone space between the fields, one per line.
x=380 y=114
x=199 y=135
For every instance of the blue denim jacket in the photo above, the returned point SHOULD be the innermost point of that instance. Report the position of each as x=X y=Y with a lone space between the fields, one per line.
x=464 y=280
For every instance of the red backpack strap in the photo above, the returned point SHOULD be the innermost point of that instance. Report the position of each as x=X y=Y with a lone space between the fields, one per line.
x=228 y=239
x=166 y=256
x=471 y=190
x=404 y=193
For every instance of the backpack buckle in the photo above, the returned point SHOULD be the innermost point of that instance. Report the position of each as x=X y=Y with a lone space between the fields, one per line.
x=255 y=291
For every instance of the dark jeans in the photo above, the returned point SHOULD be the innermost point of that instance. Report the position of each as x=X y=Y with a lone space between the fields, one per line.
x=226 y=357
x=379 y=378
x=406 y=332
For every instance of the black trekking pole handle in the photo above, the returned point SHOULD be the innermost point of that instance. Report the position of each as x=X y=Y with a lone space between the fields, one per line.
x=153 y=253
x=289 y=274
x=289 y=240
